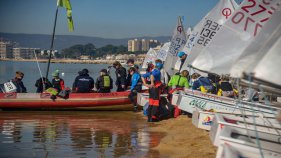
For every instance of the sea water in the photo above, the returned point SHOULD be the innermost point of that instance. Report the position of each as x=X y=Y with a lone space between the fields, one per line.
x=75 y=134
x=32 y=73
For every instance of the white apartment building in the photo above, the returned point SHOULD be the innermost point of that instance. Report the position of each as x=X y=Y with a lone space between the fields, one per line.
x=6 y=50
x=142 y=45
x=25 y=53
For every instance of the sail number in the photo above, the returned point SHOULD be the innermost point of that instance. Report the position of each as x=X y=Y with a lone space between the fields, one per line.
x=176 y=45
x=208 y=32
x=198 y=103
x=254 y=13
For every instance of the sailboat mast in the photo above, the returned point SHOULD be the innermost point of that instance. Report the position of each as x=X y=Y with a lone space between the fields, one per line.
x=52 y=43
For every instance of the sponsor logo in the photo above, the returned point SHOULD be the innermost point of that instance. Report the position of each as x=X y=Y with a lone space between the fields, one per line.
x=207 y=121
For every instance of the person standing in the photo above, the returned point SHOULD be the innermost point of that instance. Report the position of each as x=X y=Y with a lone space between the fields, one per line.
x=154 y=91
x=120 y=76
x=182 y=57
x=177 y=81
x=57 y=82
x=104 y=82
x=17 y=81
x=136 y=85
x=130 y=63
x=83 y=82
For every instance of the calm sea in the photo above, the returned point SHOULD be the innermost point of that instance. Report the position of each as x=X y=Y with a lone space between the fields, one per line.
x=42 y=134
x=32 y=73
x=75 y=134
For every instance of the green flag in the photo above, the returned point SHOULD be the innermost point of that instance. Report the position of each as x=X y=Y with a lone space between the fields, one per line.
x=66 y=4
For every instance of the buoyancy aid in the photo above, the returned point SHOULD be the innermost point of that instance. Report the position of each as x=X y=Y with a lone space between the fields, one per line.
x=58 y=84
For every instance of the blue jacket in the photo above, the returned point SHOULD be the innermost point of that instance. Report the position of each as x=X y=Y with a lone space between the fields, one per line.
x=136 y=81
x=202 y=81
x=155 y=72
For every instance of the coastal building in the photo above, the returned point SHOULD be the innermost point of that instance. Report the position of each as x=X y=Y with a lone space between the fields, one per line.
x=6 y=49
x=141 y=45
x=144 y=45
x=130 y=43
x=153 y=43
x=110 y=57
x=136 y=45
x=85 y=57
x=25 y=53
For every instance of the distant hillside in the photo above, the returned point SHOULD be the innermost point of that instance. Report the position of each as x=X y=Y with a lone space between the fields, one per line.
x=65 y=41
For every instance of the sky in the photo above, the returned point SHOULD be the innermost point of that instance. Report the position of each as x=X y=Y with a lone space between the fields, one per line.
x=102 y=18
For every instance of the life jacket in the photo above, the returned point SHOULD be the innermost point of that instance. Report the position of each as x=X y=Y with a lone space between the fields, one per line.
x=106 y=81
x=58 y=84
x=226 y=90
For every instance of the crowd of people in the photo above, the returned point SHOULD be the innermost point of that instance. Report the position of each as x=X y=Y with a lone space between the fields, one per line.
x=155 y=79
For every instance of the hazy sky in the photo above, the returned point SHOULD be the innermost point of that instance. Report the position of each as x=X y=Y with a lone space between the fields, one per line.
x=102 y=18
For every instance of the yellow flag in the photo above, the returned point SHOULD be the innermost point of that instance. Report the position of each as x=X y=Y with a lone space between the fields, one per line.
x=66 y=4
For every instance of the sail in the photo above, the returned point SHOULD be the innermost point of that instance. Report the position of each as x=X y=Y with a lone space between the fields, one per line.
x=207 y=28
x=178 y=63
x=233 y=37
x=150 y=57
x=162 y=53
x=263 y=49
x=177 y=43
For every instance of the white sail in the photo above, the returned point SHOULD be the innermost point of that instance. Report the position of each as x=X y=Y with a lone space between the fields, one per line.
x=178 y=63
x=207 y=28
x=233 y=37
x=262 y=57
x=162 y=53
x=150 y=57
x=177 y=43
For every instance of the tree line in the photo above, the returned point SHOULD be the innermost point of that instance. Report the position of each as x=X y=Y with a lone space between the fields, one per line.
x=89 y=49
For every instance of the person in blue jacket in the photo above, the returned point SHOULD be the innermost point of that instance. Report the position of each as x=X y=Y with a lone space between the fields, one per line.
x=202 y=83
x=136 y=85
x=83 y=82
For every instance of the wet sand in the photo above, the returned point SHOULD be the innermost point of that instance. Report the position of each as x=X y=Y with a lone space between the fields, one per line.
x=182 y=139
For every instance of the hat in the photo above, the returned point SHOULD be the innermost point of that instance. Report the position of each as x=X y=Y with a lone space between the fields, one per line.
x=130 y=61
x=180 y=54
x=103 y=70
x=56 y=73
x=20 y=73
x=85 y=71
x=136 y=66
x=159 y=65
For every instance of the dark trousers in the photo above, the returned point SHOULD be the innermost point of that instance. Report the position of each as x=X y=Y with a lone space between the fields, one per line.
x=133 y=96
x=154 y=99
x=104 y=90
x=120 y=89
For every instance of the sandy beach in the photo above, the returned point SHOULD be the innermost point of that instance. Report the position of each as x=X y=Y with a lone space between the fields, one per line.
x=182 y=139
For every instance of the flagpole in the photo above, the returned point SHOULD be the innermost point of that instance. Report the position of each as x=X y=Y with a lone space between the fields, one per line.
x=52 y=44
